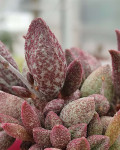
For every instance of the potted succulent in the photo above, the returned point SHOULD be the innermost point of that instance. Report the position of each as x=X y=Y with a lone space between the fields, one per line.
x=64 y=100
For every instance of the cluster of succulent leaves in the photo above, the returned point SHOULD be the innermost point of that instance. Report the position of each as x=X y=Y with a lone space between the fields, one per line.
x=63 y=100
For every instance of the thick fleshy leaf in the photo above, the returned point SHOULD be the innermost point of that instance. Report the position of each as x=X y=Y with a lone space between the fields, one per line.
x=52 y=149
x=102 y=105
x=93 y=84
x=73 y=78
x=25 y=145
x=115 y=55
x=60 y=136
x=69 y=56
x=10 y=105
x=7 y=78
x=95 y=126
x=100 y=142
x=29 y=117
x=36 y=147
x=78 y=130
x=51 y=120
x=78 y=111
x=113 y=129
x=5 y=140
x=78 y=144
x=8 y=119
x=16 y=131
x=118 y=38
x=42 y=137
x=55 y=105
x=105 y=120
x=116 y=145
x=21 y=91
x=42 y=47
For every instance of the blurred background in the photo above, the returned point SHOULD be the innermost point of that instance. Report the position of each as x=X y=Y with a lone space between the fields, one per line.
x=87 y=24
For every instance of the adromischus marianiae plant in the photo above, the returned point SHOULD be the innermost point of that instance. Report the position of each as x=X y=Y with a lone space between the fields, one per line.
x=64 y=100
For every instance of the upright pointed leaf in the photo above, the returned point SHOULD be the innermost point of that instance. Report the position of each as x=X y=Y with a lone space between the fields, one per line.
x=7 y=78
x=69 y=56
x=29 y=117
x=73 y=78
x=45 y=58
x=115 y=55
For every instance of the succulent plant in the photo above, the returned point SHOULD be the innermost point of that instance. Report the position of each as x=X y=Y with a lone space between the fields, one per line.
x=64 y=100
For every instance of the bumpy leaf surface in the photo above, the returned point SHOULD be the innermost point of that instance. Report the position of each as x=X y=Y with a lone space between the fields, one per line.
x=45 y=58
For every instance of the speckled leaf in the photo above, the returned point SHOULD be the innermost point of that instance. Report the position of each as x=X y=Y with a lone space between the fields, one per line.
x=52 y=149
x=5 y=140
x=16 y=131
x=73 y=78
x=93 y=84
x=118 y=38
x=60 y=136
x=21 y=91
x=36 y=147
x=42 y=137
x=78 y=111
x=113 y=129
x=102 y=105
x=115 y=55
x=10 y=105
x=78 y=130
x=42 y=47
x=29 y=117
x=7 y=78
x=51 y=120
x=69 y=56
x=99 y=142
x=8 y=119
x=116 y=145
x=55 y=105
x=95 y=126
x=78 y=144
x=105 y=120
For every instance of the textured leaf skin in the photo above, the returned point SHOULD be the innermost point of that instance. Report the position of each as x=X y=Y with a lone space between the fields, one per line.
x=16 y=131
x=105 y=120
x=69 y=56
x=73 y=78
x=100 y=142
x=102 y=105
x=5 y=140
x=118 y=38
x=10 y=105
x=60 y=136
x=116 y=145
x=95 y=126
x=93 y=83
x=8 y=119
x=7 y=78
x=21 y=91
x=42 y=137
x=51 y=120
x=78 y=130
x=52 y=149
x=55 y=105
x=115 y=55
x=29 y=117
x=35 y=147
x=78 y=111
x=42 y=47
x=113 y=129
x=78 y=144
